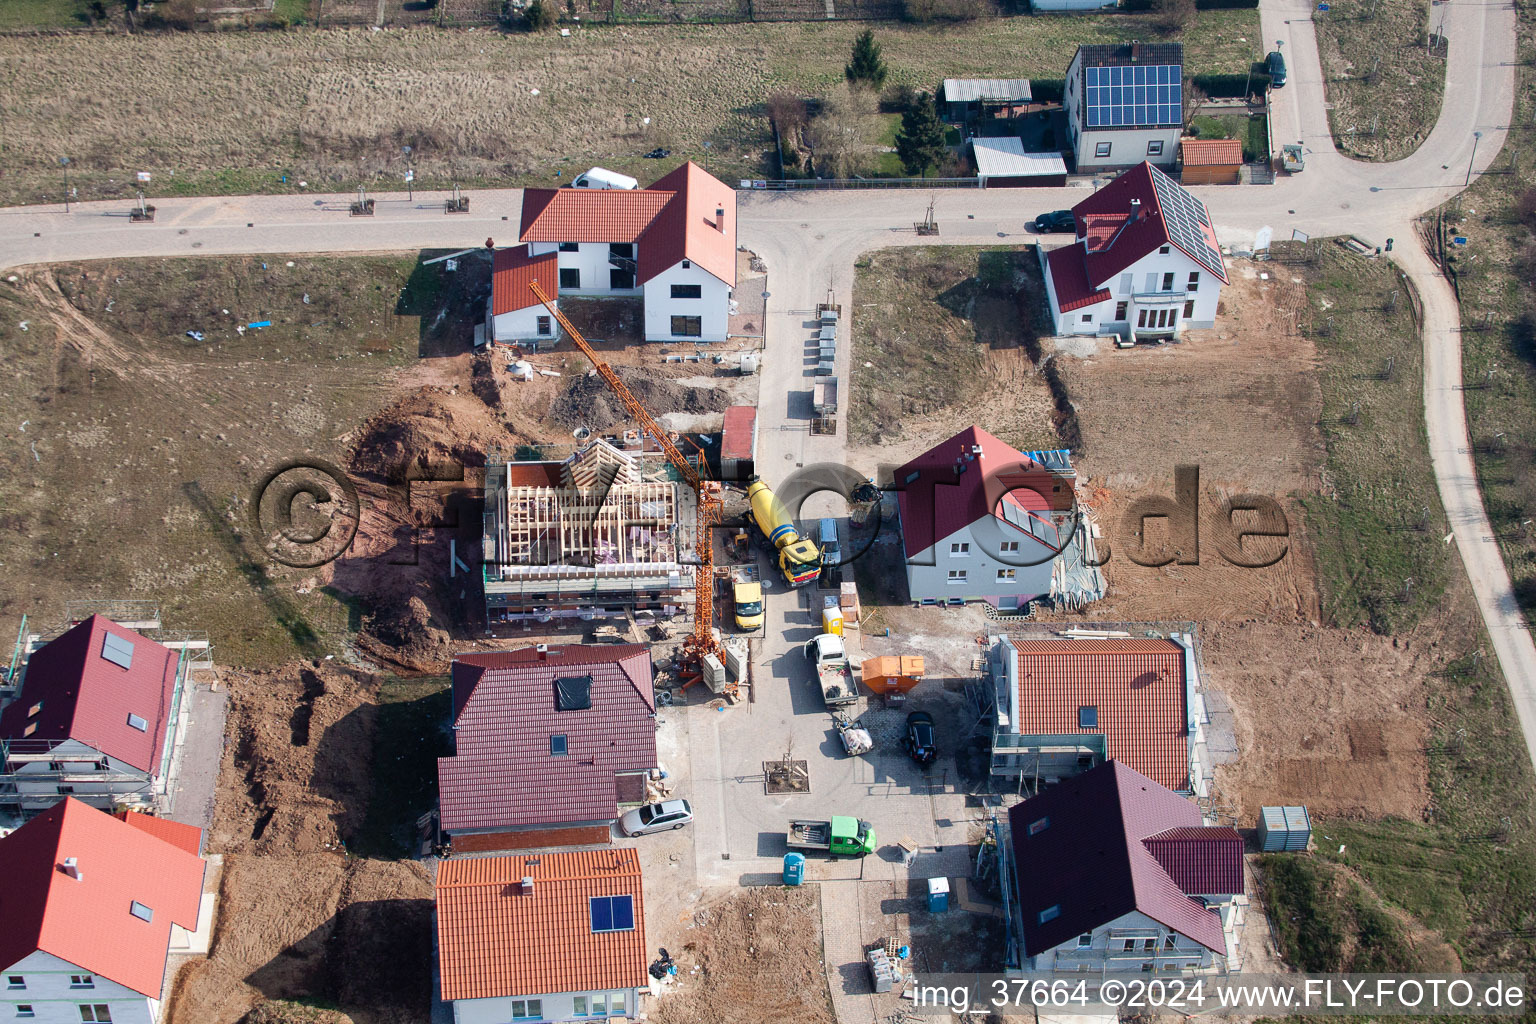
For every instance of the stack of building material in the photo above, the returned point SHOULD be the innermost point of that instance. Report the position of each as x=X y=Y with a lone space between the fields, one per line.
x=848 y=602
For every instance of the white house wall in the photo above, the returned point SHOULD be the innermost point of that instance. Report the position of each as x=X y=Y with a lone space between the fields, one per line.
x=1107 y=953
x=521 y=325
x=591 y=259
x=1127 y=147
x=53 y=1001
x=930 y=582
x=556 y=1006
x=713 y=306
x=38 y=785
x=1142 y=278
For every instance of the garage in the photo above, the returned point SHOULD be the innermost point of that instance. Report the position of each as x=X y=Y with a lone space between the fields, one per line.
x=1002 y=163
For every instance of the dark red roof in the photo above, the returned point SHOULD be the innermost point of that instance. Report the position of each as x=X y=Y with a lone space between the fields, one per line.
x=671 y=221
x=1087 y=858
x=1069 y=279
x=936 y=501
x=513 y=270
x=1136 y=685
x=1120 y=233
x=86 y=921
x=503 y=775
x=736 y=436
x=1201 y=861
x=86 y=698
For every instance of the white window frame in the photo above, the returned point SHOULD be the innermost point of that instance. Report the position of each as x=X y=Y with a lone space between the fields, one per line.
x=82 y=981
x=92 y=1012
x=960 y=549
x=532 y=1009
x=1155 y=147
x=956 y=576
x=25 y=1010
x=1101 y=150
x=16 y=982
x=1006 y=575
x=1008 y=547
x=1085 y=941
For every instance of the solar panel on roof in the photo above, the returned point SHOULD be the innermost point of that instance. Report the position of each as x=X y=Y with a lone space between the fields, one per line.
x=612 y=913
x=1135 y=96
x=1187 y=222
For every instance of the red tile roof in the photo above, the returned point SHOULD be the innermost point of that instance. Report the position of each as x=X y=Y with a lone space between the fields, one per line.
x=513 y=270
x=736 y=435
x=87 y=698
x=1113 y=249
x=1069 y=279
x=86 y=921
x=589 y=215
x=503 y=775
x=1201 y=861
x=672 y=220
x=936 y=501
x=494 y=939
x=1211 y=152
x=1089 y=860
x=1137 y=684
x=182 y=836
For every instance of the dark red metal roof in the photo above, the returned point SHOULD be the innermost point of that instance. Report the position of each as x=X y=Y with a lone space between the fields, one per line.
x=1069 y=279
x=1127 y=220
x=1201 y=861
x=1086 y=860
x=86 y=698
x=503 y=774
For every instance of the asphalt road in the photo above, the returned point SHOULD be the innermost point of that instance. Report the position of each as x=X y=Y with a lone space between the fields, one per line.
x=810 y=242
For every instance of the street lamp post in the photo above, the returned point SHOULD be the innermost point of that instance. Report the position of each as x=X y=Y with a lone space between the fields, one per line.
x=64 y=163
x=1475 y=137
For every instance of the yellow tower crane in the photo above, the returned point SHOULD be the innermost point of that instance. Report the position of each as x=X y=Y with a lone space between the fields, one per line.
x=708 y=504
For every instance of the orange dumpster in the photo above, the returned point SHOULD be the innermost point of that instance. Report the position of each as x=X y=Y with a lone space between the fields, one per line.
x=892 y=674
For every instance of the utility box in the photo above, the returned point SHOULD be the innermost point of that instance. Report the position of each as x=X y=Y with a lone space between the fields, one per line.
x=794 y=868
x=1284 y=829
x=938 y=895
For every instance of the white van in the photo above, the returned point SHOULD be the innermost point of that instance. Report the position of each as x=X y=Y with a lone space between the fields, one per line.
x=597 y=177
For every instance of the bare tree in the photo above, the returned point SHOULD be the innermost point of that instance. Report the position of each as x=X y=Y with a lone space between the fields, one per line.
x=1194 y=100
x=843 y=133
x=788 y=112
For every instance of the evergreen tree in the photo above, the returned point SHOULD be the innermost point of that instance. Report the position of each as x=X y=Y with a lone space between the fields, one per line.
x=865 y=66
x=920 y=142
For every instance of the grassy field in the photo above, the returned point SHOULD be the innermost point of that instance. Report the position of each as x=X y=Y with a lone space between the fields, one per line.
x=44 y=14
x=1383 y=86
x=133 y=449
x=934 y=323
x=334 y=107
x=1379 y=524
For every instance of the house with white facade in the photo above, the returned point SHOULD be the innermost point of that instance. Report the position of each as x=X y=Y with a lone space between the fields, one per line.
x=982 y=521
x=1125 y=104
x=1113 y=872
x=552 y=937
x=92 y=904
x=1144 y=265
x=95 y=717
x=673 y=245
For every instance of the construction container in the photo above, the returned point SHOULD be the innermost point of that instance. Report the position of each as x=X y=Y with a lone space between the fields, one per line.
x=832 y=621
x=794 y=868
x=938 y=895
x=1284 y=829
x=891 y=675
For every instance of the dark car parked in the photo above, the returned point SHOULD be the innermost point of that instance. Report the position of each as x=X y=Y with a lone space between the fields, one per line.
x=1060 y=220
x=1276 y=66
x=920 y=742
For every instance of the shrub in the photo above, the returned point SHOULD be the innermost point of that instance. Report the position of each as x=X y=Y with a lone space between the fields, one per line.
x=1173 y=16
x=540 y=15
x=924 y=12
x=864 y=65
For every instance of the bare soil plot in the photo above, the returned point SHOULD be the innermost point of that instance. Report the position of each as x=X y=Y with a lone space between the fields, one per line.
x=336 y=107
x=942 y=337
x=1383 y=77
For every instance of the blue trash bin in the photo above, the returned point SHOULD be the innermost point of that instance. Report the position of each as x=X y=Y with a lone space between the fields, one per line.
x=794 y=868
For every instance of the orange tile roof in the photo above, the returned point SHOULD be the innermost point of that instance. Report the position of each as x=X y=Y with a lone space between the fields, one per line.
x=1137 y=684
x=183 y=837
x=496 y=940
x=513 y=270
x=86 y=921
x=589 y=215
x=1212 y=152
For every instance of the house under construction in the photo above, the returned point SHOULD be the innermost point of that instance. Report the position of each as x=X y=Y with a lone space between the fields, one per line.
x=599 y=535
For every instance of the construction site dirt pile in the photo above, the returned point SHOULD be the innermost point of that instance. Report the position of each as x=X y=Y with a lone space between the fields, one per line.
x=321 y=928
x=754 y=958
x=297 y=759
x=587 y=401
x=432 y=427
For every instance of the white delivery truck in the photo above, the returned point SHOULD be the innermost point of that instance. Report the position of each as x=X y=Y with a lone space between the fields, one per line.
x=599 y=177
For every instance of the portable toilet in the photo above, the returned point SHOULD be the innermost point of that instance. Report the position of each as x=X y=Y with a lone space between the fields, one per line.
x=832 y=621
x=938 y=895
x=794 y=868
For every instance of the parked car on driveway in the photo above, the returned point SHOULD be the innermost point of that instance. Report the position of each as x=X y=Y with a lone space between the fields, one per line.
x=920 y=743
x=1276 y=67
x=1060 y=220
x=656 y=817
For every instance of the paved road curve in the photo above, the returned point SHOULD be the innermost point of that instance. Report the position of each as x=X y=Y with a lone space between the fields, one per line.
x=811 y=241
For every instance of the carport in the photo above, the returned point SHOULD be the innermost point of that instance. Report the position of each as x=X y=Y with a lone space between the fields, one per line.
x=1002 y=163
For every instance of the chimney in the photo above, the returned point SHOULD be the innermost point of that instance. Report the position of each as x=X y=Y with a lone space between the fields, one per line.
x=527 y=885
x=72 y=868
x=543 y=650
x=720 y=219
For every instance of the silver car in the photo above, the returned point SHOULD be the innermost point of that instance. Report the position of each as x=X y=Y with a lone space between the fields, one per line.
x=656 y=817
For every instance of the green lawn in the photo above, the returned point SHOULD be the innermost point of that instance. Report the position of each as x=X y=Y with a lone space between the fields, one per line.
x=47 y=14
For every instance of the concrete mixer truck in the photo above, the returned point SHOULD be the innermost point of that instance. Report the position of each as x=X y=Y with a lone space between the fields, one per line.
x=799 y=558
